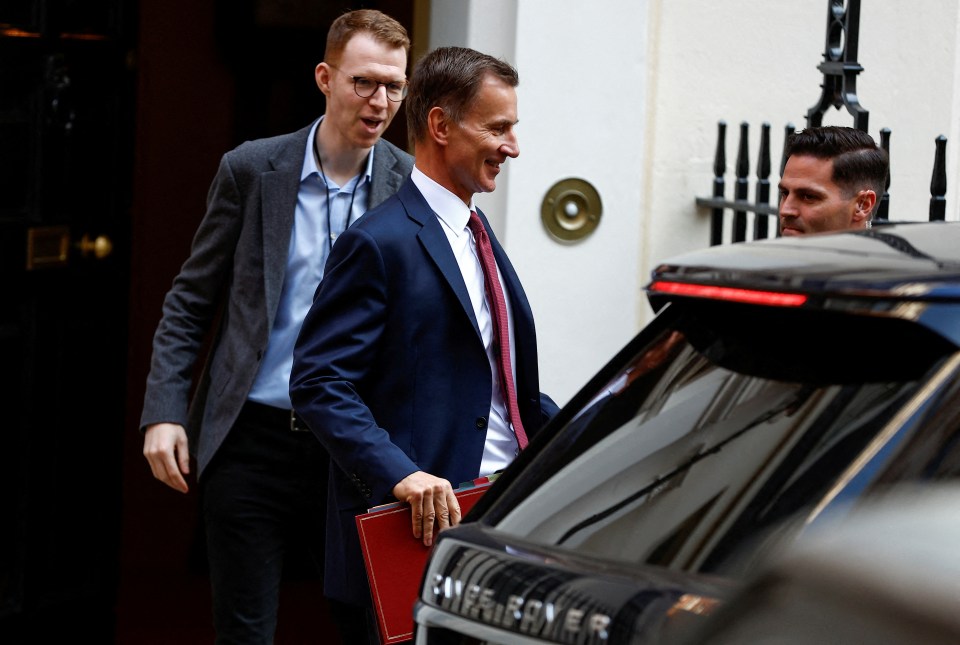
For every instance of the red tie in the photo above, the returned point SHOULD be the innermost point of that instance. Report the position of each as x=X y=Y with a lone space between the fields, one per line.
x=498 y=311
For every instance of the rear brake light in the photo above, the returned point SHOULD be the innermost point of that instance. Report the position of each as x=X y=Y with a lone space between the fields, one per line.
x=731 y=294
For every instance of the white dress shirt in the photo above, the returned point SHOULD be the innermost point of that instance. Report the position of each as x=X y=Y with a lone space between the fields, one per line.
x=501 y=445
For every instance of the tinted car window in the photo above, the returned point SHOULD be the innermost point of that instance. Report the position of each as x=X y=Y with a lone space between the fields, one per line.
x=711 y=434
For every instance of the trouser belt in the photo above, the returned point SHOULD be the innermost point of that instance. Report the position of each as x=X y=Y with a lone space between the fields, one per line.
x=269 y=415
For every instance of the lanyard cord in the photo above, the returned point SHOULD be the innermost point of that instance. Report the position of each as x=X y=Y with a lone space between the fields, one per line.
x=326 y=187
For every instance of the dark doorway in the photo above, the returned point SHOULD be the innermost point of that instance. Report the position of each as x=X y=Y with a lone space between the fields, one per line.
x=66 y=115
x=113 y=116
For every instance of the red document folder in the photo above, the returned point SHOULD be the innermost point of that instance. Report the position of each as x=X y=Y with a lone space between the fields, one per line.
x=395 y=560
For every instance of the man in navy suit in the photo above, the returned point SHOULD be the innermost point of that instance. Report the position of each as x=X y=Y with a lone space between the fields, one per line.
x=395 y=369
x=273 y=213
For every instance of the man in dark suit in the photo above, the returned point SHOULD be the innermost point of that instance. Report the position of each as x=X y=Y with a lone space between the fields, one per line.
x=397 y=368
x=273 y=212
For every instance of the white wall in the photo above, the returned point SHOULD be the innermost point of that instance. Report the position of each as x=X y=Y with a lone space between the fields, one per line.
x=910 y=85
x=627 y=94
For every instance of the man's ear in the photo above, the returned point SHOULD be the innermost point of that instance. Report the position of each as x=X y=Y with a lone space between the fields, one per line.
x=866 y=200
x=438 y=125
x=321 y=75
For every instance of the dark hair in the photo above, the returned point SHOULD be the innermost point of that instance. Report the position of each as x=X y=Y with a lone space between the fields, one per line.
x=858 y=162
x=449 y=78
x=382 y=27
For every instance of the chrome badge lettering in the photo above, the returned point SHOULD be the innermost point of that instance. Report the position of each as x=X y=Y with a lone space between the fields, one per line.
x=531 y=616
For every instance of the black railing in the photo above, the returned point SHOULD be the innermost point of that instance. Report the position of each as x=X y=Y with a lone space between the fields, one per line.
x=840 y=66
x=741 y=206
x=760 y=209
x=839 y=89
x=938 y=183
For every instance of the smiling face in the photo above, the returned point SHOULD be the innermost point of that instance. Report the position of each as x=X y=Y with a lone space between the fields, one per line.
x=356 y=122
x=484 y=139
x=810 y=201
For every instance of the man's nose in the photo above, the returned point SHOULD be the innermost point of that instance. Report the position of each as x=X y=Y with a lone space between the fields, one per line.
x=788 y=205
x=511 y=147
x=379 y=98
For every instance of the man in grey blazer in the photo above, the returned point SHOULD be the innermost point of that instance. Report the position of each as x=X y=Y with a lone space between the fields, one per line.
x=274 y=211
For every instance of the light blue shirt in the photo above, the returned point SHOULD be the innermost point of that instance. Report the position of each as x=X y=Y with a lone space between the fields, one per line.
x=310 y=243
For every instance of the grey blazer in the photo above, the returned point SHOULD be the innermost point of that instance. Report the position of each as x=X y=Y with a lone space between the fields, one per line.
x=233 y=278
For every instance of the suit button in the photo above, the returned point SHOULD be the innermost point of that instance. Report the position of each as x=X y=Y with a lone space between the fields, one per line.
x=481 y=423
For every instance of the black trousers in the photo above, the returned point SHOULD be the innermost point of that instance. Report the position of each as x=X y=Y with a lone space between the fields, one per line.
x=357 y=625
x=264 y=498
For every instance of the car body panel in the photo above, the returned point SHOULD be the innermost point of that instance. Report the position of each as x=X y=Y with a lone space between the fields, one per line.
x=885 y=574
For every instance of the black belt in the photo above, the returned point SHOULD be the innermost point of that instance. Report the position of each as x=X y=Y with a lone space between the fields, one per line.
x=271 y=416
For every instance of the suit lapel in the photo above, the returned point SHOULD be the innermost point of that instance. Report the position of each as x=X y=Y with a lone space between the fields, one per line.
x=436 y=245
x=524 y=335
x=387 y=174
x=519 y=305
x=278 y=194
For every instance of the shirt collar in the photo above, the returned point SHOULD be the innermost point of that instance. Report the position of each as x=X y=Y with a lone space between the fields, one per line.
x=310 y=160
x=449 y=208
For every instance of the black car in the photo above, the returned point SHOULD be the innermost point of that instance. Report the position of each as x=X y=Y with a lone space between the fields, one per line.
x=779 y=380
x=886 y=574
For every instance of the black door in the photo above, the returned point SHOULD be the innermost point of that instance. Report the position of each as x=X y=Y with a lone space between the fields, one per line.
x=65 y=156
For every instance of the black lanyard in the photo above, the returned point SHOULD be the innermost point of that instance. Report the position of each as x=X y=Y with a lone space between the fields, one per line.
x=326 y=187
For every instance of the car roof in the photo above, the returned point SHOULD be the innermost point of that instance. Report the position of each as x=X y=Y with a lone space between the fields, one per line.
x=920 y=260
x=906 y=271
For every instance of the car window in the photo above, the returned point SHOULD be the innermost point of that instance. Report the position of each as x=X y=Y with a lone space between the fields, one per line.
x=701 y=441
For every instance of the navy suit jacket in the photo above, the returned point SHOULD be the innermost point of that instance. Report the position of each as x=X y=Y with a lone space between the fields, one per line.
x=390 y=371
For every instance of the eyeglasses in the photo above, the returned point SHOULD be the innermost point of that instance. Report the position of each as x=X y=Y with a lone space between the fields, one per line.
x=367 y=87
